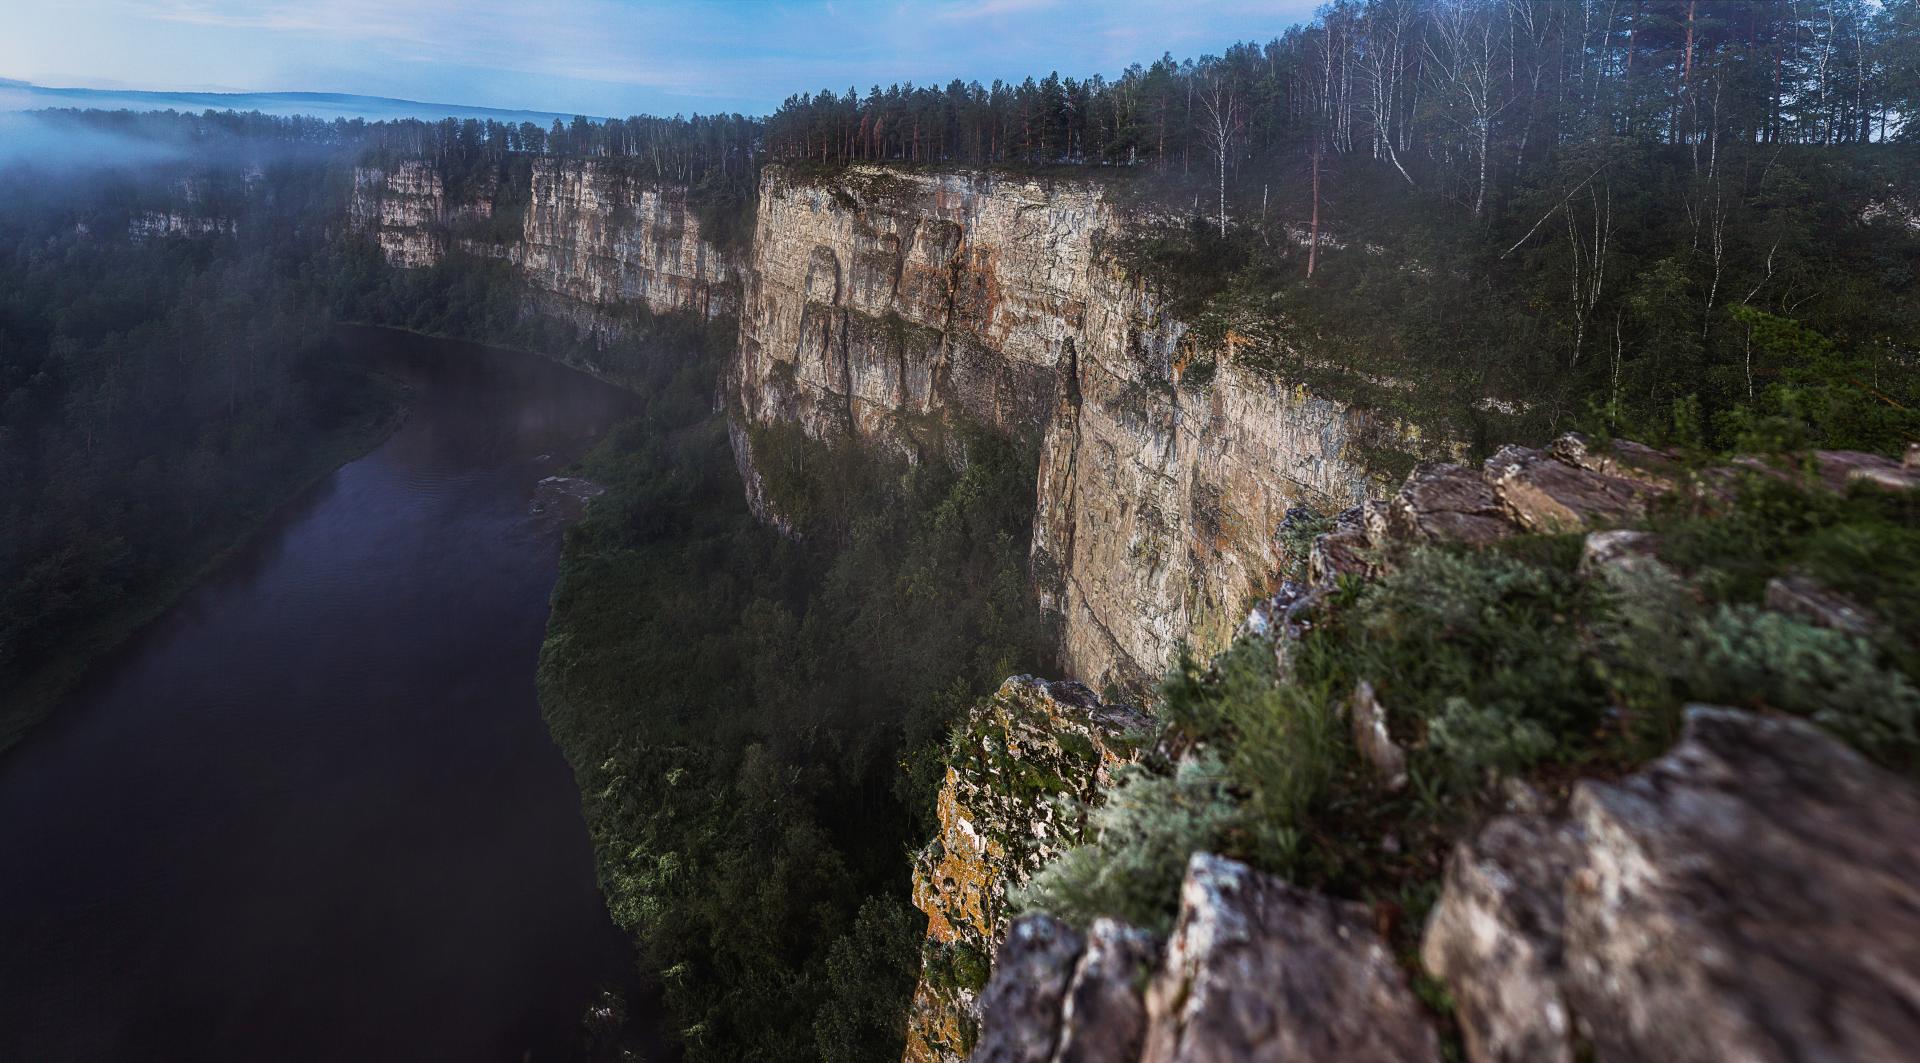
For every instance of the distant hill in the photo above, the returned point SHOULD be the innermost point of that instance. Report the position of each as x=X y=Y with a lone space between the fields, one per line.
x=24 y=96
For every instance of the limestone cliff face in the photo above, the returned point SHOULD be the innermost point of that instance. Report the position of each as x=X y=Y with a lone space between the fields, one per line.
x=592 y=236
x=880 y=296
x=878 y=299
x=598 y=237
x=404 y=208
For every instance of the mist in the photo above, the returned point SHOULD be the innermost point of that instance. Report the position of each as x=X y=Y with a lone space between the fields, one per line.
x=57 y=142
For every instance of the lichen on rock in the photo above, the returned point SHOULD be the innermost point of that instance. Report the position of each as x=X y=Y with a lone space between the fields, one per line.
x=1026 y=762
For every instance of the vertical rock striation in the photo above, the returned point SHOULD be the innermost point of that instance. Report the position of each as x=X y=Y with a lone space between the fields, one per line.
x=594 y=239
x=599 y=237
x=878 y=301
x=404 y=210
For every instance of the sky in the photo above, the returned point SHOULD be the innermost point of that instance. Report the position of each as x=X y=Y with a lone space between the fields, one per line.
x=604 y=57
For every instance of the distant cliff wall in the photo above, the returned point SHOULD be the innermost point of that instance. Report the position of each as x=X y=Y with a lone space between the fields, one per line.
x=591 y=233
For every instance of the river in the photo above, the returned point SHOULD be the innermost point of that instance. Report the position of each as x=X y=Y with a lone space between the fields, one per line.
x=312 y=813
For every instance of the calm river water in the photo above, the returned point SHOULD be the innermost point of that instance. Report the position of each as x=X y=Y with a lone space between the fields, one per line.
x=313 y=813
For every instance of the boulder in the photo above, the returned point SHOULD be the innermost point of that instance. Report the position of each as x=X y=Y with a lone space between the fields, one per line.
x=1549 y=495
x=1835 y=470
x=1754 y=894
x=1496 y=938
x=1060 y=997
x=1620 y=550
x=1839 y=469
x=1104 y=1016
x=1442 y=502
x=1259 y=971
x=1020 y=1009
x=1344 y=549
x=1340 y=552
x=1657 y=469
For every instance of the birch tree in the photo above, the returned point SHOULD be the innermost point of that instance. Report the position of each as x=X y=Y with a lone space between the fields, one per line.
x=1222 y=106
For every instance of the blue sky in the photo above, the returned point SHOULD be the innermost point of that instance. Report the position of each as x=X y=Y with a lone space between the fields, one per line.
x=611 y=57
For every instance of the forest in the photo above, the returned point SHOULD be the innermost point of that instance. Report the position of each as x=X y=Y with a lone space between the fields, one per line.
x=158 y=396
x=1693 y=223
x=1452 y=94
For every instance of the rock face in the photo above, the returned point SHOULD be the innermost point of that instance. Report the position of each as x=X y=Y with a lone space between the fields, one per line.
x=1260 y=971
x=883 y=299
x=1754 y=894
x=1255 y=971
x=601 y=238
x=1022 y=750
x=404 y=209
x=158 y=224
x=593 y=237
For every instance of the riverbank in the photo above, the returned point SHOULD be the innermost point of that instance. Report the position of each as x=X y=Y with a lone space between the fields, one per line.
x=29 y=701
x=330 y=749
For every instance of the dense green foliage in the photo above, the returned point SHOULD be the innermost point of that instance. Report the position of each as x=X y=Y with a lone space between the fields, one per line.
x=1514 y=661
x=755 y=719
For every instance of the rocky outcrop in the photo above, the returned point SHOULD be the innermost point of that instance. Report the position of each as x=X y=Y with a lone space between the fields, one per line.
x=1260 y=971
x=592 y=237
x=880 y=300
x=1750 y=895
x=1255 y=971
x=1754 y=894
x=1001 y=817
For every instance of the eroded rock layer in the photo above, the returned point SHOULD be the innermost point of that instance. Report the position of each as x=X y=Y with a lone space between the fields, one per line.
x=878 y=301
x=592 y=235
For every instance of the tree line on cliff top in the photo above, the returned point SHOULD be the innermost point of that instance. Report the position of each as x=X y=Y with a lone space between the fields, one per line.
x=1490 y=217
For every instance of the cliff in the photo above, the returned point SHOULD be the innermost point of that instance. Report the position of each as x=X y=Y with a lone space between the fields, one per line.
x=601 y=237
x=876 y=304
x=404 y=210
x=1019 y=754
x=1746 y=894
x=878 y=300
x=592 y=238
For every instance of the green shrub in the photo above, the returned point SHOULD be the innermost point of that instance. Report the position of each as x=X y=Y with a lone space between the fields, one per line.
x=1141 y=836
x=1475 y=741
x=1739 y=655
x=1496 y=633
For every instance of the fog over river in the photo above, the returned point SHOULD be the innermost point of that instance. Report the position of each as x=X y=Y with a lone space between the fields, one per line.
x=312 y=812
